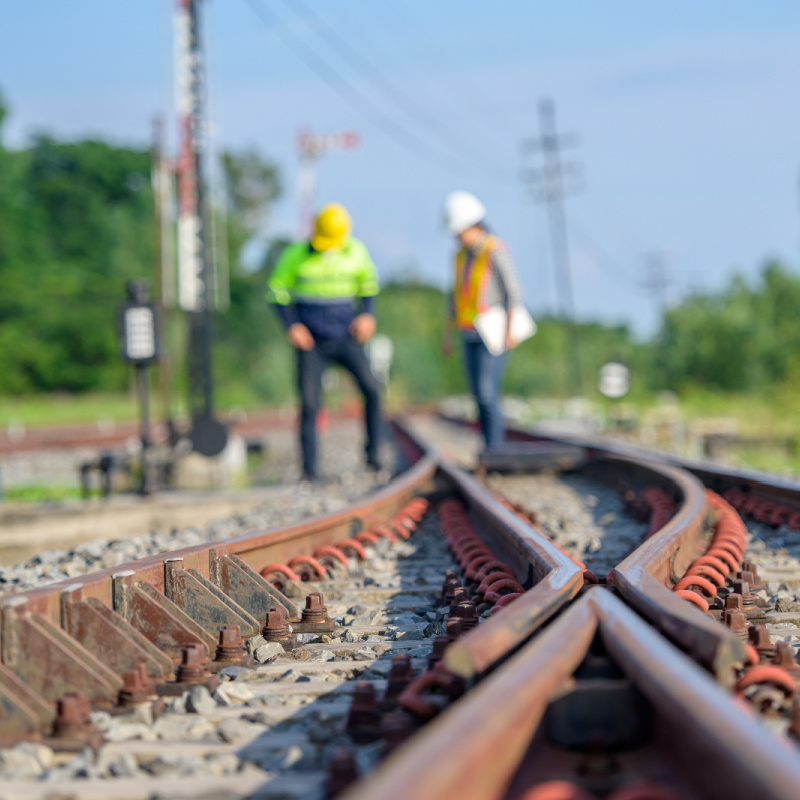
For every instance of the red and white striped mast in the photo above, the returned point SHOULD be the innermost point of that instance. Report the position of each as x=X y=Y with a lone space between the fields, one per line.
x=194 y=267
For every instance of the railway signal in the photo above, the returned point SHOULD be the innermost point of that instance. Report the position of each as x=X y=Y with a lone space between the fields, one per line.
x=310 y=148
x=139 y=336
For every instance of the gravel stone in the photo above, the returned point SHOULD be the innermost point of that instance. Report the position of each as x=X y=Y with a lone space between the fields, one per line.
x=128 y=731
x=252 y=644
x=230 y=694
x=321 y=655
x=26 y=760
x=173 y=727
x=237 y=674
x=234 y=731
x=268 y=651
x=122 y=765
x=200 y=701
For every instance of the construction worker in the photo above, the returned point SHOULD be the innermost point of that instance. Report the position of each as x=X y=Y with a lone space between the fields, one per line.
x=324 y=291
x=484 y=277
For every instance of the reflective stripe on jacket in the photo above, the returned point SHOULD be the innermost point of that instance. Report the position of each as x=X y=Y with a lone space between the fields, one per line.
x=473 y=272
x=305 y=275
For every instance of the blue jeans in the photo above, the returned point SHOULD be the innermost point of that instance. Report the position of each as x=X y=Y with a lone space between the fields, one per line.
x=485 y=373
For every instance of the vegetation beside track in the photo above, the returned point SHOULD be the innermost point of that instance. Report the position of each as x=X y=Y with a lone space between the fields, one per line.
x=76 y=223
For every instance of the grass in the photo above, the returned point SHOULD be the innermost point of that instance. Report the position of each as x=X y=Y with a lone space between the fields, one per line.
x=41 y=494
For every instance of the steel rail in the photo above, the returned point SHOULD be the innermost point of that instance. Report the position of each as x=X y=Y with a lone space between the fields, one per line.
x=646 y=576
x=490 y=745
x=83 y=634
x=554 y=579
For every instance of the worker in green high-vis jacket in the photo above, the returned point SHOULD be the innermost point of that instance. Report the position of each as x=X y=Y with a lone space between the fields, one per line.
x=324 y=290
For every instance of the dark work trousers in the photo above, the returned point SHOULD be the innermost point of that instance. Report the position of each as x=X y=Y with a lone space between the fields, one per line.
x=310 y=366
x=485 y=373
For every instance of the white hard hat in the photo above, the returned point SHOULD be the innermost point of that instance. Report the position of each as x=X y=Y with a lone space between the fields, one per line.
x=462 y=210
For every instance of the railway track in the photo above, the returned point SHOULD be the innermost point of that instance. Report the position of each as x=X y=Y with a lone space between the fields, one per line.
x=449 y=635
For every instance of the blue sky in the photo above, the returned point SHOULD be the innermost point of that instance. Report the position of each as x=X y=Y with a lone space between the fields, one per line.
x=687 y=113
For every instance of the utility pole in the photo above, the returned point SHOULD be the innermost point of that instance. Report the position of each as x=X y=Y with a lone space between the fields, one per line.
x=657 y=280
x=657 y=283
x=550 y=184
x=310 y=148
x=194 y=264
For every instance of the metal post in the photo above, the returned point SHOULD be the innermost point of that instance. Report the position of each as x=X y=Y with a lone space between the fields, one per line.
x=208 y=435
x=144 y=410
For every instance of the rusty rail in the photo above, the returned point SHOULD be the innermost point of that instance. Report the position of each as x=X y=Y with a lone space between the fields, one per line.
x=498 y=742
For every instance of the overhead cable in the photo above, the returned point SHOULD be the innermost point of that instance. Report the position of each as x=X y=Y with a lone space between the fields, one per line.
x=399 y=96
x=350 y=94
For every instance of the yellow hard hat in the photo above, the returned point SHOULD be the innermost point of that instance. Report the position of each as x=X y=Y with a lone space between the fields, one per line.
x=332 y=228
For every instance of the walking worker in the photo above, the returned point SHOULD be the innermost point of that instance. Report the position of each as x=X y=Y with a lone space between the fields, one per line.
x=324 y=290
x=485 y=279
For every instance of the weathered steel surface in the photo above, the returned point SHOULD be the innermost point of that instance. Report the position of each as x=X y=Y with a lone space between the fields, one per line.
x=205 y=603
x=49 y=661
x=492 y=725
x=658 y=563
x=23 y=714
x=556 y=580
x=158 y=619
x=483 y=747
x=105 y=633
x=522 y=457
x=246 y=587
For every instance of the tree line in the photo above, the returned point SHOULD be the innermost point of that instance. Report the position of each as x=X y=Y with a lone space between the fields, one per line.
x=76 y=223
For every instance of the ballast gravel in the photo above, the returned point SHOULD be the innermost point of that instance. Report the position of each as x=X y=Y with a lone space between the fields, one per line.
x=344 y=480
x=269 y=730
x=582 y=515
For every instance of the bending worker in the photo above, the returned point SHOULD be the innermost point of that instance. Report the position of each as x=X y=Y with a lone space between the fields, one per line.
x=324 y=291
x=484 y=278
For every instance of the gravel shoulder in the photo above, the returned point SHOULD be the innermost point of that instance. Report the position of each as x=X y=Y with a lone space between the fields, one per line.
x=345 y=480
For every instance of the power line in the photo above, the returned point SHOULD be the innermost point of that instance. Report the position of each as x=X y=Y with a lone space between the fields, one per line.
x=398 y=96
x=348 y=92
x=606 y=262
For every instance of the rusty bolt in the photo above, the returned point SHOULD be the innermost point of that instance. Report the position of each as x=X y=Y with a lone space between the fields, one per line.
x=749 y=566
x=448 y=590
x=468 y=614
x=135 y=690
x=231 y=647
x=342 y=772
x=400 y=676
x=737 y=622
x=454 y=628
x=193 y=667
x=784 y=658
x=760 y=639
x=733 y=602
x=276 y=627
x=315 y=610
x=72 y=716
x=439 y=645
x=748 y=599
x=459 y=596
x=396 y=727
x=364 y=719
x=147 y=681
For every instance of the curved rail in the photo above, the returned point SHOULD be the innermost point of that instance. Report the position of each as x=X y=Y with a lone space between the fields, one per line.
x=504 y=737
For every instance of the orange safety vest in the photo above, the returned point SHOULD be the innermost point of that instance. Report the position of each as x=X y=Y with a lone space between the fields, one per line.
x=472 y=281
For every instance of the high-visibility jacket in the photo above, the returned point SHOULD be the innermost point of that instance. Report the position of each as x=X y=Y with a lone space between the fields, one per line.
x=304 y=275
x=473 y=273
